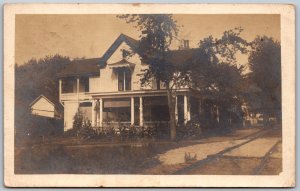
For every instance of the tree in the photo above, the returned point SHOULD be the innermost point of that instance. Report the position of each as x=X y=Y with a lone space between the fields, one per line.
x=217 y=76
x=157 y=33
x=265 y=66
x=32 y=79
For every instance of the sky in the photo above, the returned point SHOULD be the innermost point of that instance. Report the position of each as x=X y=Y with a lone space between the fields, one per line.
x=89 y=36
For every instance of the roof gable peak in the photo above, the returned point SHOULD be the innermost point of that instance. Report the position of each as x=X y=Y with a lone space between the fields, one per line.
x=38 y=98
x=132 y=43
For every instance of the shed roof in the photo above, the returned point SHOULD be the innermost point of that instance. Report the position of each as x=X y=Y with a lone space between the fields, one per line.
x=38 y=98
x=58 y=108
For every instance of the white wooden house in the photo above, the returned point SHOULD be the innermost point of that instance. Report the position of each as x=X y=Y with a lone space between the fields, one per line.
x=108 y=89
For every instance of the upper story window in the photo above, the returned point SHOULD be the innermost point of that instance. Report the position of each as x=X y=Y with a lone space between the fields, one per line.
x=69 y=85
x=124 y=79
x=156 y=84
x=84 y=84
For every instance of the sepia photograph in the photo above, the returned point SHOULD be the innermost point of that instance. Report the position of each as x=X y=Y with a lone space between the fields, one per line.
x=137 y=93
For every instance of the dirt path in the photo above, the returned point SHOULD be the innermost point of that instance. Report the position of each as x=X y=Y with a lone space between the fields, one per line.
x=199 y=151
x=260 y=156
x=239 y=156
x=256 y=148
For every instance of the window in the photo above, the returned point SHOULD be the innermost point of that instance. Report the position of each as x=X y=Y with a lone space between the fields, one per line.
x=156 y=84
x=69 y=85
x=124 y=80
x=84 y=84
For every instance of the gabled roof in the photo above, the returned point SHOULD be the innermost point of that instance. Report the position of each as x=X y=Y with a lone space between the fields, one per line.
x=122 y=38
x=38 y=98
x=82 y=67
x=91 y=67
x=180 y=57
x=58 y=108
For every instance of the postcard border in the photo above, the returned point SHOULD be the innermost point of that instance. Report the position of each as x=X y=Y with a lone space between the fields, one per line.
x=285 y=179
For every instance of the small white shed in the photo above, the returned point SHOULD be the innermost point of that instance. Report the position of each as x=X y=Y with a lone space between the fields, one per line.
x=42 y=106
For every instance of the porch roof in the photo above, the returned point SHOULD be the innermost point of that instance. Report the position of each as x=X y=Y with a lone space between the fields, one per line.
x=137 y=93
x=82 y=67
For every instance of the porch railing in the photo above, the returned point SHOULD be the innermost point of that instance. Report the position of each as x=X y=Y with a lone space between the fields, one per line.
x=74 y=96
x=116 y=125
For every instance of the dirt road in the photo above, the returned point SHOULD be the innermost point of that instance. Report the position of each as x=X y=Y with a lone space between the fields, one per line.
x=256 y=153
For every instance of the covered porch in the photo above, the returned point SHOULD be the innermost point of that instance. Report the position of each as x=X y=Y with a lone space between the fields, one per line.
x=143 y=110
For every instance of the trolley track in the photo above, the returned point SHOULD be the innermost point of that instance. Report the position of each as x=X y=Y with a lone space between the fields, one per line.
x=210 y=158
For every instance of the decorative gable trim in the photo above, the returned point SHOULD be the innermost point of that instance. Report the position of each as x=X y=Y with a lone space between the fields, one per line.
x=132 y=43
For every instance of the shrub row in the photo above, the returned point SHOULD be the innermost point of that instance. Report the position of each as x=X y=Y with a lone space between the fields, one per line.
x=82 y=128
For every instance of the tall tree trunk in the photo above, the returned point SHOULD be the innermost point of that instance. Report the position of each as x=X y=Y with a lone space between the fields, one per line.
x=171 y=105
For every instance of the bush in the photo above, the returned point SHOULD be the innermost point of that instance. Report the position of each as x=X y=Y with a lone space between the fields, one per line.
x=82 y=127
x=191 y=129
x=78 y=120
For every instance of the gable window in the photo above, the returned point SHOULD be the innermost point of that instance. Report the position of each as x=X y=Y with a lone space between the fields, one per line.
x=124 y=79
x=156 y=84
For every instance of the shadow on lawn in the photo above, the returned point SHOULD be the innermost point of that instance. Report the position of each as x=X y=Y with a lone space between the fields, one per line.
x=91 y=159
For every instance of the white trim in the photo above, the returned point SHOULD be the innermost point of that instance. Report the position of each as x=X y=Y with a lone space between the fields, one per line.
x=60 y=88
x=185 y=106
x=141 y=112
x=41 y=110
x=132 y=111
x=100 y=112
x=135 y=92
x=93 y=113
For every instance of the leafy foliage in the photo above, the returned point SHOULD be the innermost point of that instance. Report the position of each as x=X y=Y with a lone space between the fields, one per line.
x=156 y=34
x=265 y=76
x=216 y=75
x=32 y=79
x=193 y=129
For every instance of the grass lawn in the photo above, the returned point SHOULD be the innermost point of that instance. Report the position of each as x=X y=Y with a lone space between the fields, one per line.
x=77 y=156
x=101 y=158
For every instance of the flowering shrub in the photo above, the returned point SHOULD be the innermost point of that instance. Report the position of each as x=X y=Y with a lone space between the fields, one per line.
x=191 y=129
x=82 y=128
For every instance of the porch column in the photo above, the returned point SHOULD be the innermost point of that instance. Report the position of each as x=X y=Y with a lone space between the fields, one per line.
x=77 y=91
x=176 y=109
x=100 y=112
x=188 y=108
x=93 y=113
x=60 y=82
x=132 y=111
x=185 y=108
x=141 y=112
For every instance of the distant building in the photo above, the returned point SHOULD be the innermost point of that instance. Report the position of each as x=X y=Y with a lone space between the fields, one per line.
x=108 y=89
x=42 y=106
